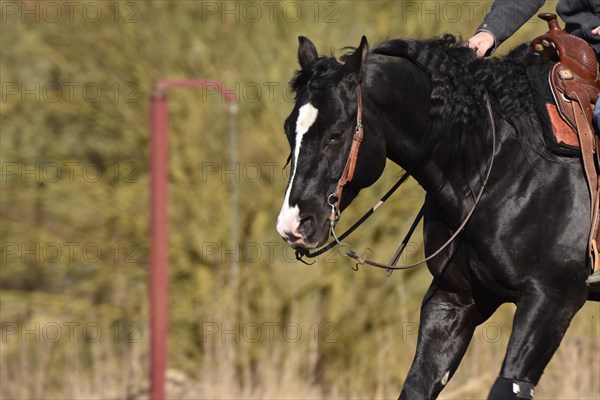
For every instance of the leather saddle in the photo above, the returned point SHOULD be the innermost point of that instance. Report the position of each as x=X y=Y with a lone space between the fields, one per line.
x=575 y=76
x=575 y=85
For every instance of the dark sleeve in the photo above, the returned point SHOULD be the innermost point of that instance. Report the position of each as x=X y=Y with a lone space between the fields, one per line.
x=507 y=16
x=580 y=16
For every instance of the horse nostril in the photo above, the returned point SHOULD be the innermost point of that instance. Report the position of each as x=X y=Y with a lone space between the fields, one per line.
x=290 y=237
x=307 y=226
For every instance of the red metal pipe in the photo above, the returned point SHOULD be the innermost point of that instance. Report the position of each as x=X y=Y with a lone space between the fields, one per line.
x=159 y=194
x=159 y=239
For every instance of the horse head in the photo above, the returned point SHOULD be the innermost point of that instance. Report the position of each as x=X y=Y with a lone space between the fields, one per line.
x=320 y=132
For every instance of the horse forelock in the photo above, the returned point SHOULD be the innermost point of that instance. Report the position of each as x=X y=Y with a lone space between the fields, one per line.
x=320 y=68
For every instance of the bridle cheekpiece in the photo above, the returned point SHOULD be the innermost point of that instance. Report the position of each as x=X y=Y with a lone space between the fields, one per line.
x=335 y=199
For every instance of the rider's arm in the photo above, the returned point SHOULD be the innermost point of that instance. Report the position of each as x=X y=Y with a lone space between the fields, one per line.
x=581 y=19
x=504 y=19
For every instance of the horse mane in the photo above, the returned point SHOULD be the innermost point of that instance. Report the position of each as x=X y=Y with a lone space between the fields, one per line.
x=458 y=119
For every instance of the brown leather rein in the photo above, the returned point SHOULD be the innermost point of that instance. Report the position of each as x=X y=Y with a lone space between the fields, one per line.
x=334 y=201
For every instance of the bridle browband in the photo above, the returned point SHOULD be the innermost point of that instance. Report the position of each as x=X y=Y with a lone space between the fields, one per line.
x=334 y=201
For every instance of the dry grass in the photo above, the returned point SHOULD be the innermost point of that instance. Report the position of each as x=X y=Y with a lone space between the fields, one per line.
x=113 y=369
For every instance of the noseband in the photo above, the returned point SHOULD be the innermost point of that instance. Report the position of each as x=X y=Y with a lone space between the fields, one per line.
x=335 y=198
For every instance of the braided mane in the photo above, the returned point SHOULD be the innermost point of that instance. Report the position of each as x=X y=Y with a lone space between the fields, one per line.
x=458 y=119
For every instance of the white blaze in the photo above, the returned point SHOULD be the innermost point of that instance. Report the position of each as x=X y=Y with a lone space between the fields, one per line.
x=289 y=217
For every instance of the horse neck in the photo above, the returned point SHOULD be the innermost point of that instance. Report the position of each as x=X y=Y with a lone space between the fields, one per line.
x=403 y=114
x=397 y=110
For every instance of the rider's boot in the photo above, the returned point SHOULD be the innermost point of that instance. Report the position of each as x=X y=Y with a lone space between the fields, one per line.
x=594 y=279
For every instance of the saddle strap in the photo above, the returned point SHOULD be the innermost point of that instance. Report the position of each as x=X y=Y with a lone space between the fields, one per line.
x=583 y=119
x=595 y=237
x=583 y=112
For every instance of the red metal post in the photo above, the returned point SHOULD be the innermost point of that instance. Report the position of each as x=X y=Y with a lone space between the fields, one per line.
x=159 y=239
x=159 y=194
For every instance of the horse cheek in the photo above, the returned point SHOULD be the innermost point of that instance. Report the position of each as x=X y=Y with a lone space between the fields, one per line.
x=371 y=163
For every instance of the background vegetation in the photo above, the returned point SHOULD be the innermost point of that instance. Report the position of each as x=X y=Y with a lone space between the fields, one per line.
x=76 y=78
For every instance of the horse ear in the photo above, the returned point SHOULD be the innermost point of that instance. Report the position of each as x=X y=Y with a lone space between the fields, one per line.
x=355 y=63
x=307 y=52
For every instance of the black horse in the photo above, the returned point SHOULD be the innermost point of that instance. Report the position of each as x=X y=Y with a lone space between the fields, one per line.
x=426 y=109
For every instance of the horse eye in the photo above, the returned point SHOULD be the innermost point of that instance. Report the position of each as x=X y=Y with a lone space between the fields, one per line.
x=335 y=136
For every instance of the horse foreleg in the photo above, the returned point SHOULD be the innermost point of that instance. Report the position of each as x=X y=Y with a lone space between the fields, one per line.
x=448 y=320
x=539 y=325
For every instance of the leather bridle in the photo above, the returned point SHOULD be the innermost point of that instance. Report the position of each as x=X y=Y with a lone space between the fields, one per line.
x=350 y=167
x=334 y=201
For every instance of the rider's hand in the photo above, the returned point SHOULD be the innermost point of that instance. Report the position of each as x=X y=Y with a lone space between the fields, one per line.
x=481 y=43
x=596 y=31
